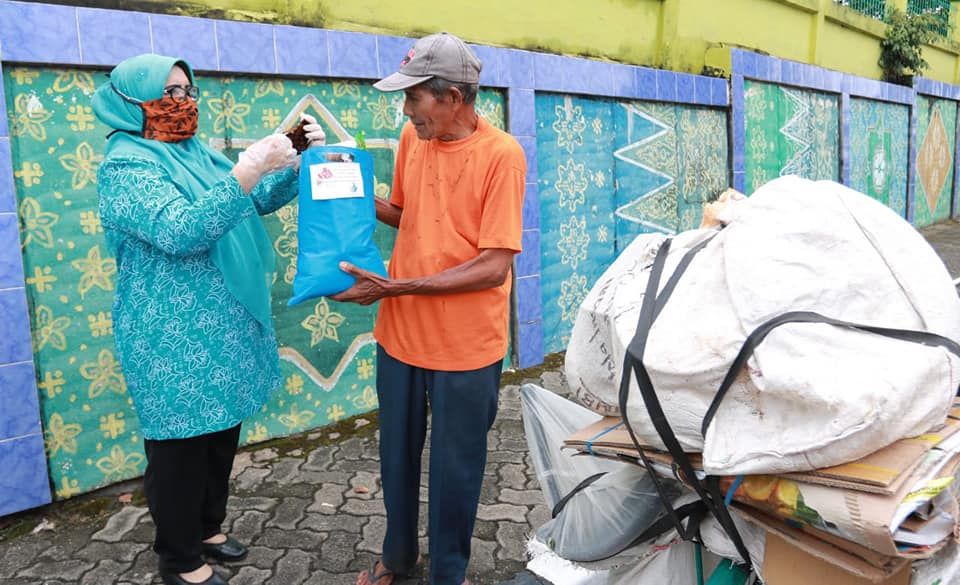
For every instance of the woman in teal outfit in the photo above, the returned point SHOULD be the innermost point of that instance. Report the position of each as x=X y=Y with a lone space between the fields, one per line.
x=192 y=311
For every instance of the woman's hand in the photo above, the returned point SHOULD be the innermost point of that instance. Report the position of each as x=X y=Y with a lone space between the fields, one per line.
x=273 y=153
x=314 y=131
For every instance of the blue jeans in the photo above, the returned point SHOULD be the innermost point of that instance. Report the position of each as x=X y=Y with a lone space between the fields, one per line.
x=463 y=406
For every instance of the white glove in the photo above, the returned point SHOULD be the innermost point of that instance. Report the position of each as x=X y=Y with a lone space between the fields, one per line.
x=270 y=154
x=314 y=131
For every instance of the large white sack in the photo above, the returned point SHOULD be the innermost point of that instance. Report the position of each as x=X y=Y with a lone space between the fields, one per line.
x=813 y=395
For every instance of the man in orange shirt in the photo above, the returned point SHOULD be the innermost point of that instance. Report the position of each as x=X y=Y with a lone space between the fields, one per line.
x=442 y=326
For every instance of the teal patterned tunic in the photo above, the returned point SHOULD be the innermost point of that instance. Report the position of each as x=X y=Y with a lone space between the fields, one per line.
x=195 y=360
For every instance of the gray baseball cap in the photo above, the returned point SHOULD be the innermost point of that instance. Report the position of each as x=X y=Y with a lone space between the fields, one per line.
x=440 y=55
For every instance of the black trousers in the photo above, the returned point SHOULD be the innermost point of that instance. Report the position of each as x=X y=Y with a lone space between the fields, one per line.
x=186 y=484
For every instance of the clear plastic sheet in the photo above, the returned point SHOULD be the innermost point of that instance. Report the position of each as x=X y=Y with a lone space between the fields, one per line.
x=603 y=518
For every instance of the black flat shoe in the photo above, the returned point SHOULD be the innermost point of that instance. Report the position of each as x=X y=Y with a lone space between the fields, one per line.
x=175 y=579
x=227 y=551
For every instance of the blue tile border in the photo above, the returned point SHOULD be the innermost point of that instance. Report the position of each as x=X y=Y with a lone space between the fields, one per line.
x=528 y=261
x=18 y=394
x=39 y=33
x=912 y=166
x=352 y=55
x=529 y=144
x=666 y=86
x=770 y=69
x=548 y=72
x=529 y=301
x=955 y=209
x=623 y=81
x=390 y=52
x=191 y=39
x=531 y=207
x=245 y=47
x=4 y=128
x=11 y=262
x=737 y=131
x=685 y=88
x=108 y=36
x=8 y=198
x=586 y=77
x=15 y=343
x=530 y=347
x=845 y=139
x=517 y=69
x=490 y=65
x=290 y=41
x=29 y=487
x=934 y=88
x=645 y=83
x=522 y=113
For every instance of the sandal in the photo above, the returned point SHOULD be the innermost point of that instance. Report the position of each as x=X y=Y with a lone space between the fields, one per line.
x=374 y=578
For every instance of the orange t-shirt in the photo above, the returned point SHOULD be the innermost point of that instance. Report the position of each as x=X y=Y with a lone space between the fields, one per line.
x=458 y=198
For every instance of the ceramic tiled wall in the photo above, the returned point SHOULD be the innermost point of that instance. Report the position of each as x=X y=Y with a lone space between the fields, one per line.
x=70 y=36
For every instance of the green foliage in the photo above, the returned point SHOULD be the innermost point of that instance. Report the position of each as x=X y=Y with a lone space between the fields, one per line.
x=901 y=55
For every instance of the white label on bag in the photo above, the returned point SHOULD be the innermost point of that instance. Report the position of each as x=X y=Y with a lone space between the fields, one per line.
x=340 y=180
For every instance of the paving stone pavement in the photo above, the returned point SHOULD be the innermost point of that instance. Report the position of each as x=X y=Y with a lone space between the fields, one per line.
x=945 y=239
x=311 y=516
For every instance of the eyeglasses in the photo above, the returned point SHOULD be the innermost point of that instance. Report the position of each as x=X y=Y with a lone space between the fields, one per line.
x=178 y=92
x=182 y=92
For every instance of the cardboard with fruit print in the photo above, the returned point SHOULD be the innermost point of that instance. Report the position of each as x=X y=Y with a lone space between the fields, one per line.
x=874 y=521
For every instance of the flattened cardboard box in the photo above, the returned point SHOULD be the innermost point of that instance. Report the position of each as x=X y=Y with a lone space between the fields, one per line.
x=882 y=472
x=785 y=564
x=843 y=501
x=850 y=560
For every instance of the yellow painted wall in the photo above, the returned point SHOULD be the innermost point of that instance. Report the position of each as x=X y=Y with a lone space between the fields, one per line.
x=621 y=30
x=849 y=50
x=683 y=35
x=767 y=25
x=813 y=31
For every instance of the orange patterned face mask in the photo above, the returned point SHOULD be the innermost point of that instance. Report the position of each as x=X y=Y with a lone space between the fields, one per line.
x=166 y=119
x=170 y=120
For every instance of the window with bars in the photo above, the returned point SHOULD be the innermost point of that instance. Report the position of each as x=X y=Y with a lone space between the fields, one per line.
x=939 y=9
x=872 y=8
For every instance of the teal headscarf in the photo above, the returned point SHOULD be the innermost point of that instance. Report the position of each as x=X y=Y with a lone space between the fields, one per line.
x=243 y=255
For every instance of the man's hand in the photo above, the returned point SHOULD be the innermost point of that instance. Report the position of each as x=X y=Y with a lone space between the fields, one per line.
x=368 y=289
x=489 y=269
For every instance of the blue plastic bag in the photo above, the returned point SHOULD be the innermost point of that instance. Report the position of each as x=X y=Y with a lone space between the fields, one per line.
x=336 y=222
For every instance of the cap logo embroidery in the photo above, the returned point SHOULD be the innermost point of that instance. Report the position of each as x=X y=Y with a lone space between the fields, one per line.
x=408 y=57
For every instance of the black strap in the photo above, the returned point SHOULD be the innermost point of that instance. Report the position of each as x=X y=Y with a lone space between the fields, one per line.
x=754 y=339
x=695 y=511
x=633 y=366
x=579 y=488
x=712 y=499
x=646 y=314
